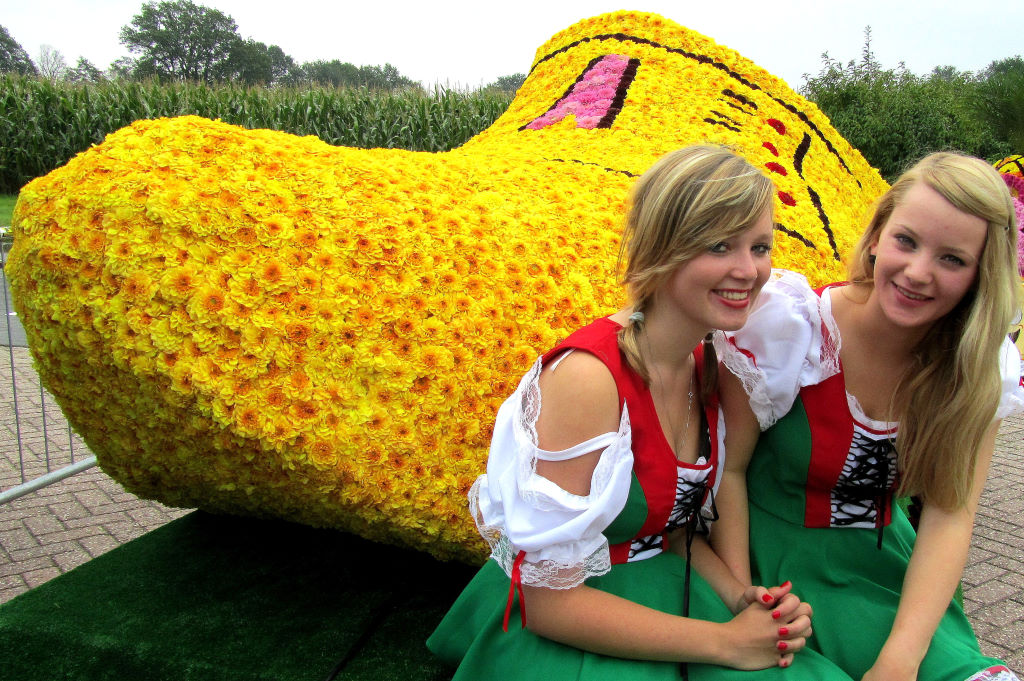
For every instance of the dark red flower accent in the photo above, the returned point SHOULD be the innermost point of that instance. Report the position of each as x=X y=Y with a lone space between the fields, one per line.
x=787 y=198
x=779 y=126
x=776 y=168
x=770 y=147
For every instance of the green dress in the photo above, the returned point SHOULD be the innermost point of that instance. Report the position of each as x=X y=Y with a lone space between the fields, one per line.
x=820 y=487
x=656 y=493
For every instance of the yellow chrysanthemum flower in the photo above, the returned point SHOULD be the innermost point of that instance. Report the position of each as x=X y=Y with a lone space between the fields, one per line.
x=1011 y=165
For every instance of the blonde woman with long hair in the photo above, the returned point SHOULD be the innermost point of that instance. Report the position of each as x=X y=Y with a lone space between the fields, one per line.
x=888 y=386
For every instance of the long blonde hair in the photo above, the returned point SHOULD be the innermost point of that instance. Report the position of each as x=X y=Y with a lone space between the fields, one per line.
x=947 y=399
x=688 y=201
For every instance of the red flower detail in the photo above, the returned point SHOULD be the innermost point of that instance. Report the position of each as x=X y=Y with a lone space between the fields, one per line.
x=770 y=147
x=779 y=126
x=787 y=198
x=776 y=168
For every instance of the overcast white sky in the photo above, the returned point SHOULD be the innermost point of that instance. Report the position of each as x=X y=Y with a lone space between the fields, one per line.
x=470 y=43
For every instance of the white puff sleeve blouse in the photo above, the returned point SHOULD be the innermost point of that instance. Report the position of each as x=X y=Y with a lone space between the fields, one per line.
x=791 y=341
x=786 y=344
x=518 y=510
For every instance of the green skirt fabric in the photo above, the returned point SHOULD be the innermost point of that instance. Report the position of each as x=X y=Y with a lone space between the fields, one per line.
x=854 y=588
x=471 y=638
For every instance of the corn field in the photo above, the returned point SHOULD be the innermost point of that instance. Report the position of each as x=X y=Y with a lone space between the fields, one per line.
x=42 y=124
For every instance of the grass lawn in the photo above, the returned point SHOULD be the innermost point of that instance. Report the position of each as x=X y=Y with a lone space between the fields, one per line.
x=7 y=208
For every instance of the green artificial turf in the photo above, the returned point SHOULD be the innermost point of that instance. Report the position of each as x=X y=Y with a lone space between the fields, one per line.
x=214 y=598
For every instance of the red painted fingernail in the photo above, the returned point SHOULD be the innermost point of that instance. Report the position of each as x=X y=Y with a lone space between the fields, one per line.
x=787 y=583
x=767 y=598
x=776 y=615
x=784 y=663
x=783 y=631
x=781 y=645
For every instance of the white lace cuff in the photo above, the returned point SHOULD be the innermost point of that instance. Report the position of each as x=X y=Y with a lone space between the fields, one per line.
x=1012 y=401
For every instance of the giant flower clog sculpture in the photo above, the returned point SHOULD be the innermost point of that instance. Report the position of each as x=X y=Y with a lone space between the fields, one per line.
x=252 y=322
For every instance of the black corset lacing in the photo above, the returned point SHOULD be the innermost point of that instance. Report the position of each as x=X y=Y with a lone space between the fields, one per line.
x=690 y=514
x=865 y=483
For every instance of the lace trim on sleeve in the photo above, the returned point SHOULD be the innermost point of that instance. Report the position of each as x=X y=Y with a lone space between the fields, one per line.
x=526 y=444
x=743 y=365
x=788 y=309
x=572 y=558
x=831 y=344
x=554 y=573
x=1012 y=401
x=576 y=563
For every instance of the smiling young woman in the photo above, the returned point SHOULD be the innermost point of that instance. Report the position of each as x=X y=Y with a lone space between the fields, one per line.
x=926 y=261
x=894 y=383
x=609 y=451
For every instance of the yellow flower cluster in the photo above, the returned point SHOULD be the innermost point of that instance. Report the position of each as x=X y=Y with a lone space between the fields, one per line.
x=1011 y=165
x=252 y=322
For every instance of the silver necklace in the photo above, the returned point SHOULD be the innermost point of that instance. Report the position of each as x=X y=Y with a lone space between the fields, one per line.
x=678 y=444
x=681 y=440
x=689 y=405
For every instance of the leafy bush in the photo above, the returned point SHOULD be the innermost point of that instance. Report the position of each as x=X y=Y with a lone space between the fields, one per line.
x=42 y=124
x=895 y=117
x=1001 y=96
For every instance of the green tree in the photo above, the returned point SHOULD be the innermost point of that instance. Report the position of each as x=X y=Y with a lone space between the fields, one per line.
x=13 y=57
x=894 y=117
x=385 y=77
x=51 y=64
x=283 y=68
x=1001 y=100
x=509 y=84
x=123 y=68
x=247 y=62
x=180 y=40
x=944 y=73
x=253 y=63
x=344 y=74
x=84 y=72
x=331 y=72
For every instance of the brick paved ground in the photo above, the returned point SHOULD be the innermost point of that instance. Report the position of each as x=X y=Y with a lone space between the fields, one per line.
x=50 y=531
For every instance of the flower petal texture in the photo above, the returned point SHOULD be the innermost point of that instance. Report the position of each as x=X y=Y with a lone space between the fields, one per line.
x=1011 y=165
x=257 y=323
x=1012 y=170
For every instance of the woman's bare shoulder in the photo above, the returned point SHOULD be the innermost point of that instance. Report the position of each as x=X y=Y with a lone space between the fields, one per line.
x=579 y=400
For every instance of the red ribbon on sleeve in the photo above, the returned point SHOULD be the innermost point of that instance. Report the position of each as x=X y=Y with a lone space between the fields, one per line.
x=516 y=585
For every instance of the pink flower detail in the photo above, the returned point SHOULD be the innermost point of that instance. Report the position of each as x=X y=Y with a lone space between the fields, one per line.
x=1016 y=185
x=590 y=99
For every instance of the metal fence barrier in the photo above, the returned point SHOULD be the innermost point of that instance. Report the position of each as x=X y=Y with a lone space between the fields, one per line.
x=37 y=445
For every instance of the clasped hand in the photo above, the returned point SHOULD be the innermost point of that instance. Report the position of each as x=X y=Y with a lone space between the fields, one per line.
x=771 y=625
